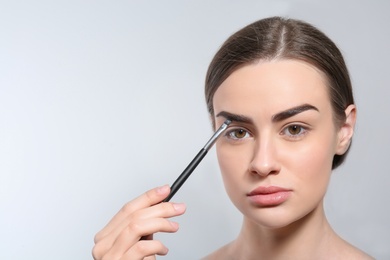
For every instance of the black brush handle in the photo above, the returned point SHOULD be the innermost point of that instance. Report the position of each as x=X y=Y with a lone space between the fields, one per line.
x=186 y=173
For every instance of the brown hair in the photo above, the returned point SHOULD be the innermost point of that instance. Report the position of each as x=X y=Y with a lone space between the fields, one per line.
x=281 y=38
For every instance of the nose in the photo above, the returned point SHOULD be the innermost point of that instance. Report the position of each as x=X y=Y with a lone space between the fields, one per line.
x=265 y=158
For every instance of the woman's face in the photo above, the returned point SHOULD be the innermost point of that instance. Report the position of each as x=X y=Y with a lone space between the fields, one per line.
x=276 y=155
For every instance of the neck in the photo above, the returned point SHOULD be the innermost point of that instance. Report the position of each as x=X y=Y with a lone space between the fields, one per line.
x=304 y=239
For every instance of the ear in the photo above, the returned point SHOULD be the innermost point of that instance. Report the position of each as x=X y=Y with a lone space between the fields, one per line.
x=346 y=130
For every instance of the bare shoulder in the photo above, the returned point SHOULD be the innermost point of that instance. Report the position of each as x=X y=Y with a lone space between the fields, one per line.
x=341 y=250
x=356 y=253
x=348 y=251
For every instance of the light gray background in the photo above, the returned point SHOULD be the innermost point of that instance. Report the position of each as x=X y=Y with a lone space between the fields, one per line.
x=102 y=100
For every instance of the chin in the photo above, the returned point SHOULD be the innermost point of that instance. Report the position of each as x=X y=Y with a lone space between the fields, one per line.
x=276 y=222
x=274 y=217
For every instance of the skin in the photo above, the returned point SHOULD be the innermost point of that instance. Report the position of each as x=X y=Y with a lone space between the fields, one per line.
x=294 y=150
x=127 y=235
x=267 y=144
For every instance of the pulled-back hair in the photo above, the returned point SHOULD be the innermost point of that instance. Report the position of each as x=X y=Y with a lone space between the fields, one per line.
x=278 y=38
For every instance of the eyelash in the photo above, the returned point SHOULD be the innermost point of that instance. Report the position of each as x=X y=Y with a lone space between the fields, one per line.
x=230 y=134
x=303 y=130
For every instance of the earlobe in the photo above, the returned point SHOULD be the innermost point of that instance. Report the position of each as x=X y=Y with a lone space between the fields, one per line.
x=346 y=130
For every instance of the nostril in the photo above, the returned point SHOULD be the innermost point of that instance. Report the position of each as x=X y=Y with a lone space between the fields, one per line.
x=264 y=168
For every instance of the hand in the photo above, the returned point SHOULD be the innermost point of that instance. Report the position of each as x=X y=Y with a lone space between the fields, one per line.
x=129 y=235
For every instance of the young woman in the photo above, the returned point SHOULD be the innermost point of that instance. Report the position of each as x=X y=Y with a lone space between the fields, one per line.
x=286 y=89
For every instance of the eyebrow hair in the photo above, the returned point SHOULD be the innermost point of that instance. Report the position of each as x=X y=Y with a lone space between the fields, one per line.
x=275 y=118
x=235 y=118
x=292 y=112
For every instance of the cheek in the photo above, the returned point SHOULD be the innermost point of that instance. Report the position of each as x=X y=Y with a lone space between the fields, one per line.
x=312 y=167
x=233 y=163
x=326 y=149
x=313 y=157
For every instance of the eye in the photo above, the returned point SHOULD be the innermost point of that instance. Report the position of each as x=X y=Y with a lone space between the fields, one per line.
x=294 y=131
x=237 y=134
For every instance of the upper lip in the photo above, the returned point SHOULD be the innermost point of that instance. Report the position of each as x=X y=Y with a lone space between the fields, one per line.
x=267 y=190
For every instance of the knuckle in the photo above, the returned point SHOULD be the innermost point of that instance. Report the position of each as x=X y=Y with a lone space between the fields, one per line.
x=127 y=208
x=97 y=237
x=96 y=252
x=135 y=228
x=100 y=250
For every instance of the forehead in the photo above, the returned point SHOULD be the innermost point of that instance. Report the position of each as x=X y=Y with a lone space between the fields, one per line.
x=272 y=85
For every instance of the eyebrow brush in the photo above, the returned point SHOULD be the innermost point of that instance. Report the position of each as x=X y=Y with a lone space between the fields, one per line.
x=197 y=159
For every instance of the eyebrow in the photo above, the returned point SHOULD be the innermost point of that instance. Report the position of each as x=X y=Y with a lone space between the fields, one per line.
x=292 y=112
x=275 y=118
x=235 y=118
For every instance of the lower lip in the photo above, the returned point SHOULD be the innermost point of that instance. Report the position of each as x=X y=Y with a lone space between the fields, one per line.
x=271 y=199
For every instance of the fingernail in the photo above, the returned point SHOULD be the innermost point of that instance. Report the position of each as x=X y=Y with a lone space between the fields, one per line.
x=180 y=207
x=163 y=189
x=175 y=225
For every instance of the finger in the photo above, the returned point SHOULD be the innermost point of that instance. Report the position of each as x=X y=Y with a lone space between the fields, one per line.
x=131 y=235
x=147 y=199
x=145 y=248
x=163 y=210
x=153 y=257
